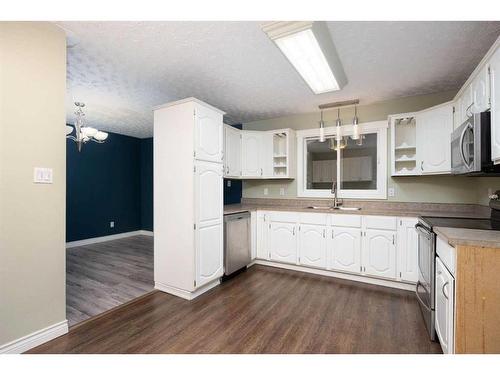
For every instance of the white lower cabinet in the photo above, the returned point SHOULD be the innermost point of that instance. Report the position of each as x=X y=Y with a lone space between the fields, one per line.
x=312 y=245
x=379 y=253
x=445 y=299
x=407 y=250
x=208 y=255
x=262 y=247
x=283 y=242
x=344 y=247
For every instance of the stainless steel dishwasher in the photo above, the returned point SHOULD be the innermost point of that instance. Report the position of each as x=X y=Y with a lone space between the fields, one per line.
x=236 y=242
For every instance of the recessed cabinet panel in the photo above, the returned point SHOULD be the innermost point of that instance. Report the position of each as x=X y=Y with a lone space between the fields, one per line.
x=345 y=249
x=283 y=242
x=379 y=253
x=209 y=254
x=481 y=91
x=263 y=235
x=445 y=294
x=408 y=250
x=208 y=135
x=312 y=245
x=251 y=165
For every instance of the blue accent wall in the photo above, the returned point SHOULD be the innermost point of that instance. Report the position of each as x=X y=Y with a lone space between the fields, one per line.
x=147 y=184
x=103 y=184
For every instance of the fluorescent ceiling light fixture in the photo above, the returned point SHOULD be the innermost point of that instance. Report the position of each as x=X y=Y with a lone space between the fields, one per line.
x=309 y=48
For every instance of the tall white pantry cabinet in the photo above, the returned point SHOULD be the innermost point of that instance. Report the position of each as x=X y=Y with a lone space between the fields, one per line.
x=188 y=197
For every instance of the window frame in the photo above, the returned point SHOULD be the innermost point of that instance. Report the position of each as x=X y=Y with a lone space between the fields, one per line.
x=379 y=127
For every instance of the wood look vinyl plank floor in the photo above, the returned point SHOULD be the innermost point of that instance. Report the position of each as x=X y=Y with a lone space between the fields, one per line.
x=102 y=276
x=262 y=310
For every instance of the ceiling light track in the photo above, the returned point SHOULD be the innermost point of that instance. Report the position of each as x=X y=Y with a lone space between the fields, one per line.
x=345 y=103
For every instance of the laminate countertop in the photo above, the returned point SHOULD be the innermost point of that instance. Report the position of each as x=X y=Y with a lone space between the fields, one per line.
x=235 y=208
x=469 y=237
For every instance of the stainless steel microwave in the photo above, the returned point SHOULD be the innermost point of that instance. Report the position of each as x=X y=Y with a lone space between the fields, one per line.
x=471 y=147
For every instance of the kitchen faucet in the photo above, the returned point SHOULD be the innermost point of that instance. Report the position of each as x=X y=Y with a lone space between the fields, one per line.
x=337 y=202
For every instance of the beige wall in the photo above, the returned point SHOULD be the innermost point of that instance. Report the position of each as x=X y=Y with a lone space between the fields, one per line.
x=440 y=189
x=32 y=216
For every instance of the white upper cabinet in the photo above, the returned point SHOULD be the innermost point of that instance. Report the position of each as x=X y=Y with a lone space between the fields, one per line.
x=232 y=152
x=494 y=66
x=209 y=139
x=312 y=245
x=251 y=144
x=344 y=247
x=434 y=127
x=407 y=253
x=480 y=91
x=379 y=253
x=283 y=242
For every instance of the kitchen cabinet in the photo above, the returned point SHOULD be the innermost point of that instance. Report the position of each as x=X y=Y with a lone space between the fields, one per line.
x=407 y=250
x=256 y=154
x=253 y=237
x=263 y=235
x=312 y=245
x=434 y=127
x=494 y=68
x=232 y=152
x=345 y=249
x=480 y=91
x=283 y=242
x=445 y=296
x=209 y=141
x=188 y=197
x=379 y=253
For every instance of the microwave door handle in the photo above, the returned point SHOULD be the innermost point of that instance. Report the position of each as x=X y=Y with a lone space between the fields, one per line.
x=461 y=143
x=423 y=230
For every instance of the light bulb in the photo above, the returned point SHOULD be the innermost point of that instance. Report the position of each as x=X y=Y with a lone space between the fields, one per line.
x=89 y=131
x=101 y=136
x=321 y=134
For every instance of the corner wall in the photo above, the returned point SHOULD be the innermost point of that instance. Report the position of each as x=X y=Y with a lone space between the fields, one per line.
x=434 y=189
x=32 y=216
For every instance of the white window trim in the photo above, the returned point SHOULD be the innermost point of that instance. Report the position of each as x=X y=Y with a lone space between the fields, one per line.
x=379 y=127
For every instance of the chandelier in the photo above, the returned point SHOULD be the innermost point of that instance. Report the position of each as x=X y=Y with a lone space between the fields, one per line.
x=83 y=133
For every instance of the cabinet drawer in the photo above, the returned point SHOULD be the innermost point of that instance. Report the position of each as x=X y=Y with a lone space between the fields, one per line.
x=284 y=217
x=380 y=222
x=353 y=221
x=447 y=254
x=316 y=218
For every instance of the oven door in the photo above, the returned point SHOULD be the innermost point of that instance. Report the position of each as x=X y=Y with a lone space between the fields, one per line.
x=426 y=276
x=464 y=155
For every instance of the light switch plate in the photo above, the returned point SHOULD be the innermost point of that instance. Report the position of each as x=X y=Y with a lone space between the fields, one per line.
x=111 y=224
x=391 y=191
x=266 y=191
x=42 y=175
x=228 y=183
x=282 y=191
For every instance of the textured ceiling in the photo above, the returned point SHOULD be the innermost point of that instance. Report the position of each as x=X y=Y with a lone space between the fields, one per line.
x=122 y=69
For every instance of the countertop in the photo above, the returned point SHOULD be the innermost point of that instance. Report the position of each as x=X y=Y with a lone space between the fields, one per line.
x=469 y=237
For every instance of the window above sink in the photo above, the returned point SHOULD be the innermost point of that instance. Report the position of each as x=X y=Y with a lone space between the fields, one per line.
x=359 y=167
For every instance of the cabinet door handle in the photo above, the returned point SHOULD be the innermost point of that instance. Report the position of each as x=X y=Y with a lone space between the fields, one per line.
x=422 y=165
x=324 y=233
x=444 y=293
x=261 y=172
x=294 y=231
x=393 y=240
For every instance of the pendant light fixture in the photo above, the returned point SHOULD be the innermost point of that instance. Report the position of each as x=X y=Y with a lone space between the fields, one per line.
x=355 y=126
x=340 y=139
x=321 y=128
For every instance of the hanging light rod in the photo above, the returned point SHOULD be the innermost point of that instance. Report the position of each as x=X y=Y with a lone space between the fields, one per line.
x=339 y=104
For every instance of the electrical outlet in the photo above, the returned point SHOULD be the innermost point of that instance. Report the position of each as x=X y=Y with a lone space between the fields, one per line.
x=111 y=224
x=228 y=183
x=266 y=191
x=282 y=191
x=391 y=191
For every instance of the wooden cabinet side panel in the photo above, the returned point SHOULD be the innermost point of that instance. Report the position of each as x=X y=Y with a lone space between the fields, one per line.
x=477 y=322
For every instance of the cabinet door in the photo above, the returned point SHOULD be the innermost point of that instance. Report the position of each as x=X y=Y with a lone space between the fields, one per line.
x=312 y=245
x=379 y=253
x=250 y=154
x=208 y=135
x=445 y=291
x=232 y=152
x=344 y=248
x=434 y=127
x=283 y=242
x=263 y=236
x=495 y=105
x=208 y=216
x=481 y=92
x=407 y=250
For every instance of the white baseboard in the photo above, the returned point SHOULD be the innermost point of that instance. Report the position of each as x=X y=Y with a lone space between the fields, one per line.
x=339 y=275
x=185 y=293
x=34 y=339
x=111 y=237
